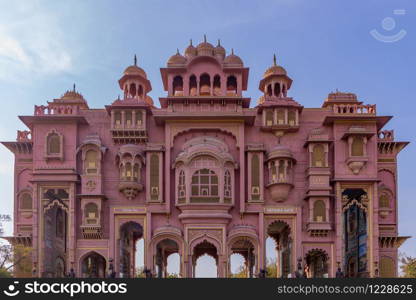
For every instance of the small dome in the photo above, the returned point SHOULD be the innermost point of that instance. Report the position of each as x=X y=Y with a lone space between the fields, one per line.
x=275 y=69
x=191 y=51
x=233 y=60
x=176 y=59
x=205 y=48
x=219 y=50
x=149 y=100
x=135 y=70
x=72 y=95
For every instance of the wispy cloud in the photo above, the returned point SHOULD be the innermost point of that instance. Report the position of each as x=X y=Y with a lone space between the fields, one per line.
x=32 y=43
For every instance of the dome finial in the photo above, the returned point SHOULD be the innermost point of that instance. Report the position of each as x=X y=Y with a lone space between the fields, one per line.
x=190 y=42
x=219 y=42
x=205 y=38
x=177 y=50
x=74 y=87
x=232 y=51
x=274 y=60
x=135 y=60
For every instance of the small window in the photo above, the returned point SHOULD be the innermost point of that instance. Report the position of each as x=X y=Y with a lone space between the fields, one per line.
x=319 y=213
x=357 y=146
x=91 y=159
x=91 y=214
x=384 y=201
x=282 y=173
x=192 y=86
x=136 y=172
x=204 y=85
x=54 y=143
x=139 y=118
x=217 y=85
x=291 y=117
x=204 y=186
x=269 y=90
x=280 y=116
x=177 y=86
x=318 y=156
x=129 y=118
x=231 y=86
x=277 y=89
x=26 y=201
x=117 y=119
x=181 y=187
x=255 y=177
x=227 y=185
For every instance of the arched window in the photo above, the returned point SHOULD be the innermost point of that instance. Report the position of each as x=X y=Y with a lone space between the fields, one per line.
x=269 y=90
x=269 y=117
x=384 y=201
x=280 y=116
x=273 y=173
x=192 y=86
x=177 y=86
x=255 y=177
x=277 y=89
x=357 y=146
x=26 y=201
x=154 y=177
x=319 y=214
x=140 y=92
x=91 y=214
x=181 y=187
x=217 y=85
x=91 y=165
x=318 y=156
x=231 y=86
x=291 y=117
x=227 y=187
x=54 y=143
x=132 y=90
x=204 y=186
x=204 y=85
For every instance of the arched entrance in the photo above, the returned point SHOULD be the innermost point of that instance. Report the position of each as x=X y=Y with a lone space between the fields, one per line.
x=201 y=251
x=245 y=249
x=280 y=232
x=164 y=249
x=55 y=236
x=130 y=233
x=355 y=232
x=317 y=264
x=93 y=265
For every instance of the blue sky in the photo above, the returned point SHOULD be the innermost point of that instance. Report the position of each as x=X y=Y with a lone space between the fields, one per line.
x=46 y=46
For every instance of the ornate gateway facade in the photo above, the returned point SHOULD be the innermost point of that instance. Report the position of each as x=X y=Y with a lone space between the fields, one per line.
x=205 y=173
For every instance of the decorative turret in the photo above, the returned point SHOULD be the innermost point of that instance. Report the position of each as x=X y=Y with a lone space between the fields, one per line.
x=275 y=82
x=134 y=82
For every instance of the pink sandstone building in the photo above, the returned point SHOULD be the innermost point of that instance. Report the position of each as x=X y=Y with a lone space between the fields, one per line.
x=207 y=173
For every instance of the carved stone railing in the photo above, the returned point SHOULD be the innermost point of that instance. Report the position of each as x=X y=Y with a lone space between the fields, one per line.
x=24 y=136
x=386 y=135
x=369 y=109
x=41 y=110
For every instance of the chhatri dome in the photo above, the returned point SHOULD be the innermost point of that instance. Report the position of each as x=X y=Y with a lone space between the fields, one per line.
x=219 y=50
x=205 y=48
x=176 y=59
x=191 y=51
x=233 y=60
x=275 y=69
x=134 y=69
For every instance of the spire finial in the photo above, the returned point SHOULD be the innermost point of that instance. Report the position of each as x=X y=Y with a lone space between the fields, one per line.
x=232 y=51
x=135 y=60
x=190 y=42
x=74 y=87
x=177 y=50
x=219 y=42
x=205 y=38
x=274 y=60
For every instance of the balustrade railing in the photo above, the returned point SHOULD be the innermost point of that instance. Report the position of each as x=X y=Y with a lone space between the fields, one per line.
x=24 y=136
x=41 y=110
x=386 y=135
x=354 y=109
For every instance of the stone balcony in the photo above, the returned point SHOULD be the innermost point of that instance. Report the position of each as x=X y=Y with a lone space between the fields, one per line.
x=91 y=232
x=318 y=229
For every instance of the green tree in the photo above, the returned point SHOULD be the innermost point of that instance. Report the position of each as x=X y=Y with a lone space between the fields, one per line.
x=408 y=266
x=271 y=268
x=241 y=272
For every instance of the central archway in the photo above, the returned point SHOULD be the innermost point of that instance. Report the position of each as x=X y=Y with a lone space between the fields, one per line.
x=93 y=265
x=164 y=249
x=280 y=233
x=317 y=263
x=204 y=251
